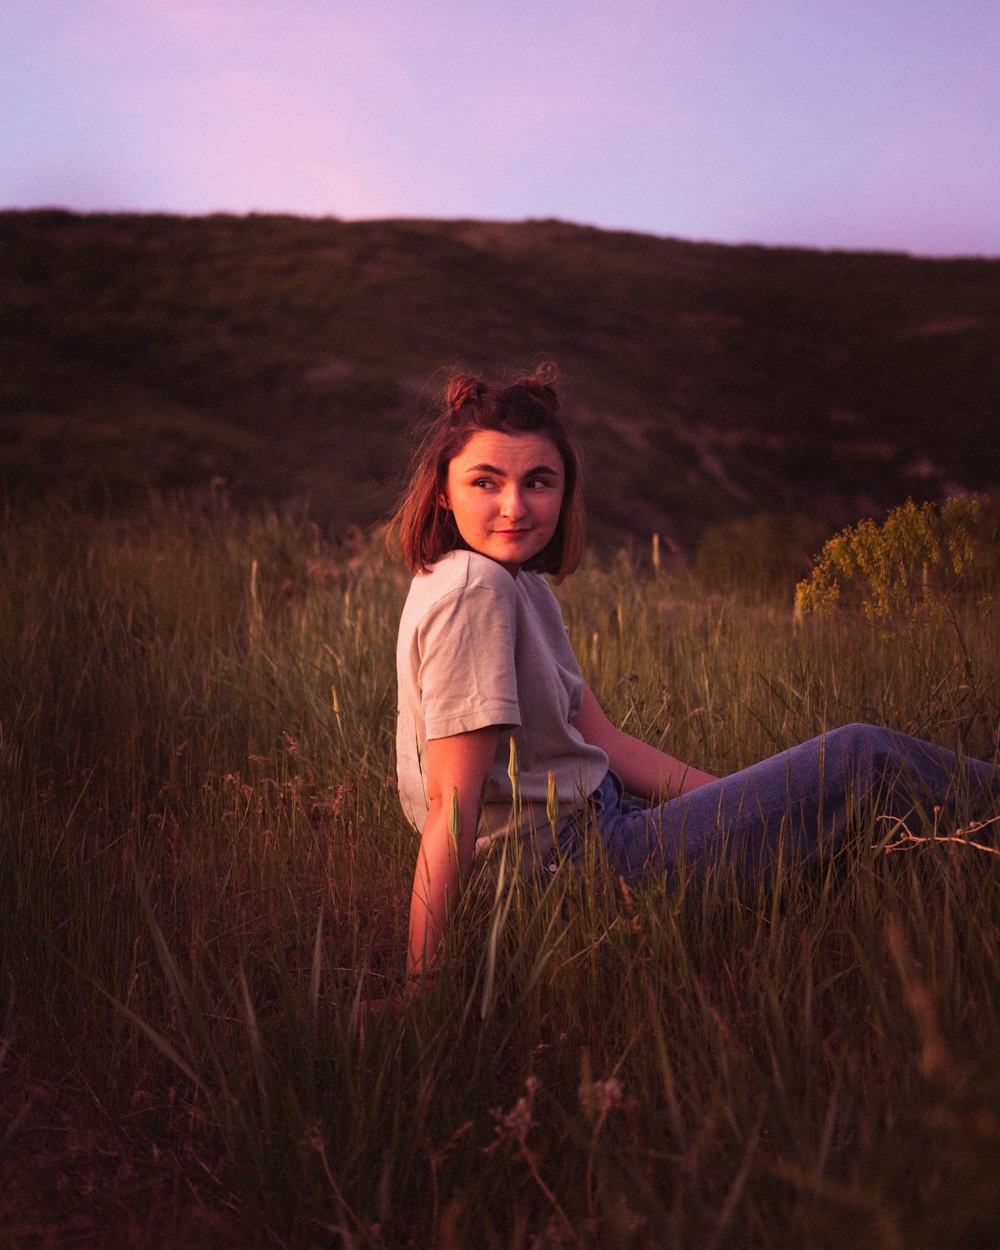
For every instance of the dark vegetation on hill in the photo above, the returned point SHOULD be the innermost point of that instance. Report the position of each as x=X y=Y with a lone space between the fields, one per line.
x=286 y=361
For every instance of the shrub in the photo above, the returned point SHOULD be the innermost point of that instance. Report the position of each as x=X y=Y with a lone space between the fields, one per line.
x=917 y=561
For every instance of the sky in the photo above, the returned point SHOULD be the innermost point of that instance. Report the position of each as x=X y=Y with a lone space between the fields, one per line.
x=848 y=124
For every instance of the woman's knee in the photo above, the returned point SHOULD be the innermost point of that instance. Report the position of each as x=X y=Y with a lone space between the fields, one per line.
x=859 y=736
x=860 y=749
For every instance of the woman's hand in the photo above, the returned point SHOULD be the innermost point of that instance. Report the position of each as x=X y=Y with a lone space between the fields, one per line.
x=394 y=1003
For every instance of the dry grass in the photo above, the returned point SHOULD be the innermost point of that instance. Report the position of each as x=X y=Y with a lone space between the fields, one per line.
x=203 y=872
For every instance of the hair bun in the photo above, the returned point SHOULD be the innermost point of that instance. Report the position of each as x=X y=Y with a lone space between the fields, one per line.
x=540 y=386
x=462 y=388
x=546 y=375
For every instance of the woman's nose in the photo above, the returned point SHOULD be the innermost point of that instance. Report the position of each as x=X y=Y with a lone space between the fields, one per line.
x=512 y=502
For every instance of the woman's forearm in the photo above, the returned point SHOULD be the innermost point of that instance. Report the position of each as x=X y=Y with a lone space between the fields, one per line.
x=446 y=852
x=643 y=769
x=646 y=771
x=435 y=891
x=456 y=769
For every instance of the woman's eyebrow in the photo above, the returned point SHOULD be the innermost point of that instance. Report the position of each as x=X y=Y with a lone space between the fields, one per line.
x=491 y=468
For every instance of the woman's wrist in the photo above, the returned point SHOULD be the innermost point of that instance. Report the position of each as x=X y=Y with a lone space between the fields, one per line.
x=418 y=980
x=421 y=974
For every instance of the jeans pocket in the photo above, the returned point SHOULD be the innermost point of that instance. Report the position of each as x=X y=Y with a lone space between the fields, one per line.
x=569 y=841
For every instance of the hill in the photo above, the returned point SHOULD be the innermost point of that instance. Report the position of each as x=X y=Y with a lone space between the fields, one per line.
x=291 y=359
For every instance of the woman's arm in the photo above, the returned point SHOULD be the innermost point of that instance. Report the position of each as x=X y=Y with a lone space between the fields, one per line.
x=643 y=769
x=459 y=763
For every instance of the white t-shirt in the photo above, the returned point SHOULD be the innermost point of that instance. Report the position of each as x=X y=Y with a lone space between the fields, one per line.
x=479 y=647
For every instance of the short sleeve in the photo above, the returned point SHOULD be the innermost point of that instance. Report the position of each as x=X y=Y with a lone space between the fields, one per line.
x=466 y=674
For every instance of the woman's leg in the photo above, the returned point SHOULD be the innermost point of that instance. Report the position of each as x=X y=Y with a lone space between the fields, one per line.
x=796 y=803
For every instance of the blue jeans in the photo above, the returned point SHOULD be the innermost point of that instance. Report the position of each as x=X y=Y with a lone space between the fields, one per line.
x=795 y=805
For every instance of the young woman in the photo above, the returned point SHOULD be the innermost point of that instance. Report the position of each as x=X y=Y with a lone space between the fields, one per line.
x=494 y=502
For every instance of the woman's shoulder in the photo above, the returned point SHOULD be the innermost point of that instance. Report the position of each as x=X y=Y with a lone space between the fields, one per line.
x=459 y=571
x=536 y=590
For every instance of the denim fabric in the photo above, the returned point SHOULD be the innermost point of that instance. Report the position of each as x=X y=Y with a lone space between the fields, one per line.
x=796 y=804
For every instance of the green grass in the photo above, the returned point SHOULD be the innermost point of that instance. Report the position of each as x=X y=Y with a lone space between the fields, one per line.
x=204 y=875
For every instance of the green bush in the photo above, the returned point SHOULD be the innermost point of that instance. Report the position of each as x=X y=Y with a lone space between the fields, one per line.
x=917 y=561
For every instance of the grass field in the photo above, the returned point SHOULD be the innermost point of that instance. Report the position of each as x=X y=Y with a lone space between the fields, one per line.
x=204 y=875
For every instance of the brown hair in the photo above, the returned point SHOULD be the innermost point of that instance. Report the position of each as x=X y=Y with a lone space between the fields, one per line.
x=426 y=529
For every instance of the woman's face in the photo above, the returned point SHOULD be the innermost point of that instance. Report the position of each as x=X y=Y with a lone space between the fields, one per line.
x=505 y=492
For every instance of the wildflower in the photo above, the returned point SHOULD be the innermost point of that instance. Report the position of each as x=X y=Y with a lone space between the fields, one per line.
x=609 y=1095
x=518 y=1120
x=598 y=1098
x=515 y=1124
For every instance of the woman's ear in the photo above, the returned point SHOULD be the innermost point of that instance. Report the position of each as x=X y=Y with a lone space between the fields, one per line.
x=443 y=501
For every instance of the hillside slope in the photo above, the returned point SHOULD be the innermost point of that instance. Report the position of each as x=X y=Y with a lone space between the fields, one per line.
x=291 y=359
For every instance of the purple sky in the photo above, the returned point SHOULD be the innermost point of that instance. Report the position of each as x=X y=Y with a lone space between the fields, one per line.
x=868 y=124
